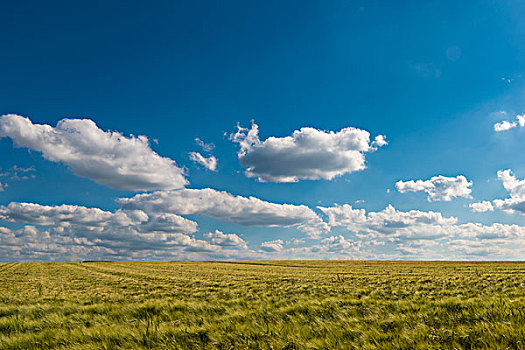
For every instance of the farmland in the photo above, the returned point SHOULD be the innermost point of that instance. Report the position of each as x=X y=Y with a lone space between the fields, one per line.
x=263 y=305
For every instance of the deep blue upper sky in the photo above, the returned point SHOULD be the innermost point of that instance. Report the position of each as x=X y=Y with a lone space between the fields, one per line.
x=433 y=77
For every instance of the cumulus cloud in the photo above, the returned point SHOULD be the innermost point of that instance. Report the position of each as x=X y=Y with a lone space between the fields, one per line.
x=332 y=247
x=37 y=214
x=507 y=125
x=438 y=188
x=272 y=246
x=516 y=201
x=118 y=234
x=504 y=125
x=148 y=225
x=209 y=163
x=31 y=243
x=390 y=221
x=414 y=224
x=516 y=189
x=481 y=207
x=418 y=234
x=338 y=244
x=226 y=240
x=69 y=232
x=73 y=232
x=95 y=221
x=308 y=154
x=480 y=250
x=379 y=141
x=106 y=157
x=223 y=206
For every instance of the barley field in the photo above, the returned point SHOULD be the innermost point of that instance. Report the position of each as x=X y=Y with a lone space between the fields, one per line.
x=263 y=305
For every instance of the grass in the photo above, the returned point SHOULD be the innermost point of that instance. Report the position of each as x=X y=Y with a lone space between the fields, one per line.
x=263 y=305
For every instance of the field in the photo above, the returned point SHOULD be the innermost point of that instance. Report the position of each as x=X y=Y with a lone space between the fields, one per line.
x=263 y=305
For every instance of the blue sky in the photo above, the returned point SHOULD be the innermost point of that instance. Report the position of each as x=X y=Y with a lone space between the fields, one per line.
x=433 y=78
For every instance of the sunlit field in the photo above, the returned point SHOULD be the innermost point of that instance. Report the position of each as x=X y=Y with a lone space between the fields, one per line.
x=263 y=305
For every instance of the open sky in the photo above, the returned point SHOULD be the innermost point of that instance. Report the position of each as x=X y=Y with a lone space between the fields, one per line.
x=175 y=130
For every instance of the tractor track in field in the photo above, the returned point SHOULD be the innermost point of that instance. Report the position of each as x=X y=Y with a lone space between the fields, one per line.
x=213 y=305
x=149 y=276
x=144 y=274
x=102 y=273
x=140 y=278
x=7 y=266
x=125 y=273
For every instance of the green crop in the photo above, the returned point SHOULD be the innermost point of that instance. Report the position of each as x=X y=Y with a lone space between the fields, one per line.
x=263 y=305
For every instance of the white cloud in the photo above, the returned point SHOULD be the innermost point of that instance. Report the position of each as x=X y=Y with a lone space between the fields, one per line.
x=223 y=206
x=428 y=235
x=147 y=225
x=226 y=240
x=2 y=187
x=309 y=153
x=295 y=241
x=338 y=244
x=516 y=189
x=272 y=246
x=415 y=225
x=438 y=188
x=490 y=232
x=37 y=214
x=481 y=207
x=379 y=141
x=457 y=244
x=37 y=244
x=31 y=244
x=507 y=125
x=95 y=220
x=106 y=157
x=512 y=184
x=209 y=163
x=333 y=247
x=206 y=147
x=521 y=120
x=391 y=222
x=73 y=232
x=69 y=232
x=504 y=125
